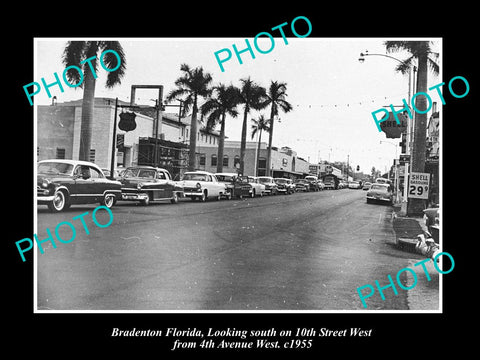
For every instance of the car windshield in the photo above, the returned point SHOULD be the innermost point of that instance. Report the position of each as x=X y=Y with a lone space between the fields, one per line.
x=301 y=181
x=195 y=177
x=139 y=172
x=281 y=181
x=225 y=178
x=379 y=187
x=264 y=180
x=310 y=178
x=55 y=168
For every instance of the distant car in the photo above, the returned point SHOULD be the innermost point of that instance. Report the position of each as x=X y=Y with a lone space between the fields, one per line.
x=354 y=185
x=321 y=185
x=236 y=186
x=258 y=189
x=285 y=186
x=366 y=186
x=116 y=175
x=313 y=180
x=302 y=185
x=147 y=183
x=271 y=187
x=61 y=183
x=380 y=192
x=202 y=185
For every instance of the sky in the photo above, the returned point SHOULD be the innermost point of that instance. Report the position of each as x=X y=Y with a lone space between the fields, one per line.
x=332 y=93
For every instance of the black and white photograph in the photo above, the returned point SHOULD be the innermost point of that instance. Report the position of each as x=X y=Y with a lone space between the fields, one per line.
x=275 y=189
x=230 y=179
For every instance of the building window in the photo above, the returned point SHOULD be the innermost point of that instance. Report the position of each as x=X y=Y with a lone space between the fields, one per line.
x=38 y=151
x=210 y=139
x=202 y=159
x=60 y=153
x=225 y=160
x=262 y=163
x=236 y=160
x=92 y=155
x=214 y=160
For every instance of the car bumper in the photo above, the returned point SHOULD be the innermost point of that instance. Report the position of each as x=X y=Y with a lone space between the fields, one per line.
x=192 y=193
x=134 y=196
x=379 y=198
x=44 y=199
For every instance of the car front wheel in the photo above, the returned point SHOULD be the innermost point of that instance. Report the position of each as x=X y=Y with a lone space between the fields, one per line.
x=174 y=198
x=59 y=202
x=203 y=198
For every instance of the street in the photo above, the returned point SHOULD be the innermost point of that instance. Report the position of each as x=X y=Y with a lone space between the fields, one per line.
x=305 y=251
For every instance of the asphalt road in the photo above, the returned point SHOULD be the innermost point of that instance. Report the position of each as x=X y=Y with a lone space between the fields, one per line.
x=306 y=251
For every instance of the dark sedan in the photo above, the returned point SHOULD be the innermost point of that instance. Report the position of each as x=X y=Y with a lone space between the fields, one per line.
x=61 y=183
x=147 y=183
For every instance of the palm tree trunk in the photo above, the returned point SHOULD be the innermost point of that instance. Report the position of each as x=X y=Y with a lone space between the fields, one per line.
x=270 y=140
x=243 y=144
x=258 y=150
x=88 y=104
x=221 y=143
x=192 y=155
x=420 y=132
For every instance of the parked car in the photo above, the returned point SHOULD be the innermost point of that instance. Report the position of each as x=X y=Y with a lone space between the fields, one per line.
x=116 y=175
x=432 y=221
x=284 y=186
x=258 y=188
x=61 y=183
x=380 y=192
x=271 y=187
x=366 y=185
x=147 y=183
x=302 y=185
x=313 y=181
x=354 y=185
x=236 y=186
x=202 y=185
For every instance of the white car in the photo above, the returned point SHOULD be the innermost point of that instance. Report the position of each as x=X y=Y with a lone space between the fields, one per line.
x=202 y=185
x=257 y=186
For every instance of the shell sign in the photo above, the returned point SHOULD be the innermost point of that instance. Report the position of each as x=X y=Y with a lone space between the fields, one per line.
x=391 y=128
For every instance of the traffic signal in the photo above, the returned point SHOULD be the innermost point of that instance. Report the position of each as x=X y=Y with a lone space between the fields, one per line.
x=358 y=167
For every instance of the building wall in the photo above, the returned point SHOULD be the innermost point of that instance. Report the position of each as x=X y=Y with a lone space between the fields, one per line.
x=55 y=128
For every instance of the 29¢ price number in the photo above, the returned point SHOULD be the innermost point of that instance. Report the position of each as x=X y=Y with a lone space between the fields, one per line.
x=418 y=190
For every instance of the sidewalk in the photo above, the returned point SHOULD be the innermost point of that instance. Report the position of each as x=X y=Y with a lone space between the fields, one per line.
x=425 y=295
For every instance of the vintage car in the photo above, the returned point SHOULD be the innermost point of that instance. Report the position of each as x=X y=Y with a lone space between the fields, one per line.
x=202 y=185
x=354 y=185
x=321 y=185
x=313 y=181
x=432 y=222
x=258 y=189
x=302 y=185
x=285 y=186
x=380 y=192
x=270 y=185
x=237 y=187
x=61 y=183
x=147 y=183
x=366 y=185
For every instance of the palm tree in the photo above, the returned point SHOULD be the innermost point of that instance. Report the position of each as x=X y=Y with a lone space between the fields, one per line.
x=74 y=53
x=193 y=84
x=225 y=102
x=420 y=50
x=259 y=125
x=276 y=98
x=253 y=97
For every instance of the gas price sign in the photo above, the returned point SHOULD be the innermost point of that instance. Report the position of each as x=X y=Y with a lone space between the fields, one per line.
x=418 y=185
